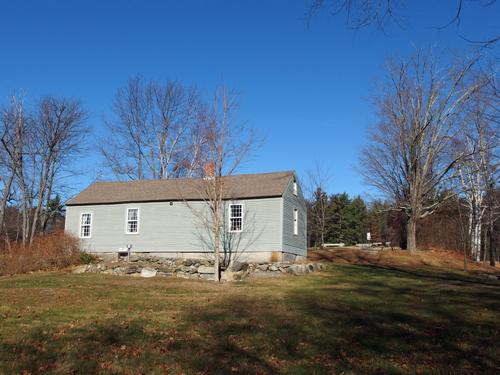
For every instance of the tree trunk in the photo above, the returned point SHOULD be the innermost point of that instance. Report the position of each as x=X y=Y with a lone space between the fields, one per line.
x=476 y=239
x=217 y=253
x=217 y=226
x=217 y=264
x=411 y=234
x=491 y=240
x=465 y=258
x=5 y=197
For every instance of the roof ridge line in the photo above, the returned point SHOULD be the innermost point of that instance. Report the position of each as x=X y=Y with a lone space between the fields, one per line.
x=187 y=178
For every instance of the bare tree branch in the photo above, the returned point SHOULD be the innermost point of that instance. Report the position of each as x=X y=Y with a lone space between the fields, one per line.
x=408 y=157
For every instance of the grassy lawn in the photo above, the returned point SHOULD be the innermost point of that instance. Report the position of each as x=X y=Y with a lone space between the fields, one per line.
x=351 y=319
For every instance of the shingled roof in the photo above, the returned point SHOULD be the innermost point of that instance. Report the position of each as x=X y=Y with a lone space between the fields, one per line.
x=236 y=187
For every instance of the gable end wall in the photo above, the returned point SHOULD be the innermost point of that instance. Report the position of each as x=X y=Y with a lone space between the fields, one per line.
x=294 y=244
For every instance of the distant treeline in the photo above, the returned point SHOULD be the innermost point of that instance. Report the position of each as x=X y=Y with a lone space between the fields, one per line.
x=348 y=219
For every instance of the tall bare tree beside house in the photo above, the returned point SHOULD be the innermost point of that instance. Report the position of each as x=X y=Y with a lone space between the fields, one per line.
x=6 y=180
x=17 y=150
x=37 y=146
x=123 y=151
x=478 y=171
x=13 y=127
x=60 y=134
x=318 y=179
x=408 y=157
x=153 y=130
x=226 y=144
x=492 y=168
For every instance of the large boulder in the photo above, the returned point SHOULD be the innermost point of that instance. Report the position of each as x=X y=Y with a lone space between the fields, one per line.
x=238 y=266
x=119 y=270
x=132 y=269
x=206 y=270
x=187 y=262
x=179 y=262
x=166 y=268
x=148 y=272
x=263 y=267
x=297 y=269
x=234 y=276
x=207 y=276
x=80 y=269
x=93 y=268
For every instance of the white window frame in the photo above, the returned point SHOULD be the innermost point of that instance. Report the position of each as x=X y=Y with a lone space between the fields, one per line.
x=242 y=216
x=295 y=222
x=295 y=188
x=80 y=232
x=127 y=220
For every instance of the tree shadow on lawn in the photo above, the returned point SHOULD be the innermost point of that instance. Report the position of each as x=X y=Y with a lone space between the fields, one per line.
x=436 y=274
x=205 y=341
x=105 y=346
x=369 y=327
x=423 y=271
x=422 y=318
x=352 y=319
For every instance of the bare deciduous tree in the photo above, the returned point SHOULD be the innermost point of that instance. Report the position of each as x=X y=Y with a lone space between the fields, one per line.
x=60 y=134
x=154 y=131
x=359 y=14
x=318 y=179
x=382 y=13
x=226 y=144
x=36 y=146
x=476 y=172
x=13 y=127
x=409 y=156
x=491 y=115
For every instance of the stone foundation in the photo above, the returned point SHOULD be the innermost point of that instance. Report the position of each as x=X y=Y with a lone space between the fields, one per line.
x=249 y=257
x=151 y=266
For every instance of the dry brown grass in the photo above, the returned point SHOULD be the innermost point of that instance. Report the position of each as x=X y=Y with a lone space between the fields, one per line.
x=349 y=319
x=48 y=252
x=442 y=259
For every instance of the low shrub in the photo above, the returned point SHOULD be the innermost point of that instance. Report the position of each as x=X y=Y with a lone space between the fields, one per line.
x=47 y=252
x=87 y=258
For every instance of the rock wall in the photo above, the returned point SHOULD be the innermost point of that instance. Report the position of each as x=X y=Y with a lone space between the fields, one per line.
x=148 y=266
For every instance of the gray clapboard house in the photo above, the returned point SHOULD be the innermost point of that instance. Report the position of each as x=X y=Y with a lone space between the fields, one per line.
x=265 y=217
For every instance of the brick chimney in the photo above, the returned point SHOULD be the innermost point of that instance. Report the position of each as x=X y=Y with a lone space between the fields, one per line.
x=209 y=169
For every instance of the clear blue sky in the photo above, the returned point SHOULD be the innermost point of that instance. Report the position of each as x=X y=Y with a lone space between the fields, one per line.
x=305 y=91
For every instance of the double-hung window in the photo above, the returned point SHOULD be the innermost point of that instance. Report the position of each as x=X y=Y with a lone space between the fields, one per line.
x=295 y=188
x=85 y=225
x=295 y=222
x=235 y=217
x=132 y=220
